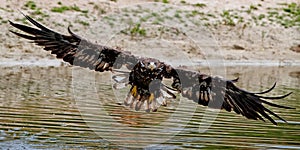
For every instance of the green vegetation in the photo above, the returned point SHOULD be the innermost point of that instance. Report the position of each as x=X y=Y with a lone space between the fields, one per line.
x=5 y=9
x=23 y=20
x=100 y=10
x=30 y=4
x=177 y=15
x=200 y=5
x=165 y=1
x=39 y=12
x=82 y=22
x=135 y=30
x=287 y=16
x=292 y=8
x=252 y=7
x=261 y=16
x=228 y=18
x=36 y=11
x=3 y=21
x=62 y=9
x=293 y=13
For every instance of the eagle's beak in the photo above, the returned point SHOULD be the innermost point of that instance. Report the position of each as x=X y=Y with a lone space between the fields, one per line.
x=152 y=66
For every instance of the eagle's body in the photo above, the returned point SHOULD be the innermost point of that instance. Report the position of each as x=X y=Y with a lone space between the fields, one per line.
x=146 y=75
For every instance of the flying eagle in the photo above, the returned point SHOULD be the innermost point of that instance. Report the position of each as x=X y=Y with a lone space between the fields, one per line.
x=146 y=75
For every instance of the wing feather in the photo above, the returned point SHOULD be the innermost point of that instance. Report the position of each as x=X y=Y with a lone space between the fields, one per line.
x=74 y=49
x=224 y=94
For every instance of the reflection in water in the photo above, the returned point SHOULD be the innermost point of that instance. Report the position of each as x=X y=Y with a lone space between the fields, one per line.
x=38 y=110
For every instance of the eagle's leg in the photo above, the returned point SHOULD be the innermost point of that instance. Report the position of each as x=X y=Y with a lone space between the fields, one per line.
x=146 y=99
x=147 y=89
x=131 y=96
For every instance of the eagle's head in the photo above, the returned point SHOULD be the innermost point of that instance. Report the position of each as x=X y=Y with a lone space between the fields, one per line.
x=147 y=73
x=151 y=66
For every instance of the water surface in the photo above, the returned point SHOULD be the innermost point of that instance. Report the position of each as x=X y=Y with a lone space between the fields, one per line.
x=40 y=108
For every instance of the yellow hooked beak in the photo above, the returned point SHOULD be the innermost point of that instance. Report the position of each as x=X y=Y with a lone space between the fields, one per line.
x=152 y=66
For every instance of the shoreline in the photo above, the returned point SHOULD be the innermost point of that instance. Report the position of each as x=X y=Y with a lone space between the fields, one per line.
x=45 y=62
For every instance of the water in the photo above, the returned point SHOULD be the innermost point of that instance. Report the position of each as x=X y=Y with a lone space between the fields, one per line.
x=41 y=109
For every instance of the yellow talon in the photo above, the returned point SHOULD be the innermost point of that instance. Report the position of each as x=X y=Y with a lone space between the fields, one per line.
x=134 y=91
x=151 y=98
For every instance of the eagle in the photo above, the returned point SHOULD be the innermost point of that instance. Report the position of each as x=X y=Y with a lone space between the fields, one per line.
x=145 y=75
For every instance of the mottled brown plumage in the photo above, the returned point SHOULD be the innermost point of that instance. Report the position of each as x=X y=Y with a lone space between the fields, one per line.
x=146 y=75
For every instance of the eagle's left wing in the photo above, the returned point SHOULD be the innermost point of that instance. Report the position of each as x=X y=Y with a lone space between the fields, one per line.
x=216 y=92
x=74 y=49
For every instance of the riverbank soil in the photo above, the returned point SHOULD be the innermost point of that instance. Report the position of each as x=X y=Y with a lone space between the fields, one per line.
x=256 y=31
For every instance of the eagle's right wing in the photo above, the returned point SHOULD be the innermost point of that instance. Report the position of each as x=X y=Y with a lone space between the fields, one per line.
x=74 y=49
x=216 y=92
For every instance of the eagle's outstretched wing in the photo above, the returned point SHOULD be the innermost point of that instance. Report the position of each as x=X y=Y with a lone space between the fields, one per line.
x=213 y=92
x=216 y=92
x=76 y=50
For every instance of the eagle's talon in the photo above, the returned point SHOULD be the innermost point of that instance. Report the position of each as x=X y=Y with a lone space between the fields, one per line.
x=138 y=105
x=164 y=103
